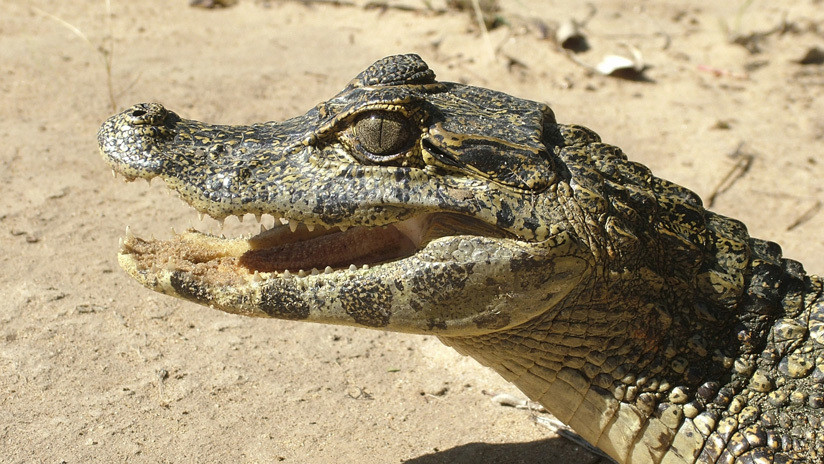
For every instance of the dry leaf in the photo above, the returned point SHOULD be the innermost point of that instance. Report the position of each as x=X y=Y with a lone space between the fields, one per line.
x=612 y=63
x=615 y=64
x=569 y=36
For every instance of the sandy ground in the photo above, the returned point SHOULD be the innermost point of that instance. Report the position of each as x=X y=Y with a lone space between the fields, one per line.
x=93 y=368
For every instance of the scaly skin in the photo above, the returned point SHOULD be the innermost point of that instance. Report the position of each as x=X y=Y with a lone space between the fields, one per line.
x=658 y=330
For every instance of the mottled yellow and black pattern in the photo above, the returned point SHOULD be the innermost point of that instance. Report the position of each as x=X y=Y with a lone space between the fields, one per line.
x=660 y=331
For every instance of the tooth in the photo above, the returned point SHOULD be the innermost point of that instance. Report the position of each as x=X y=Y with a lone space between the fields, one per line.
x=174 y=232
x=200 y=216
x=129 y=234
x=301 y=273
x=265 y=219
x=328 y=270
x=286 y=273
x=352 y=267
x=293 y=226
x=257 y=277
x=114 y=173
x=310 y=227
x=284 y=221
x=365 y=267
x=315 y=271
x=343 y=228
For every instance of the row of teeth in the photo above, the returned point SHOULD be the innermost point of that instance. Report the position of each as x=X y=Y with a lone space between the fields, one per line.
x=262 y=219
x=258 y=276
x=259 y=217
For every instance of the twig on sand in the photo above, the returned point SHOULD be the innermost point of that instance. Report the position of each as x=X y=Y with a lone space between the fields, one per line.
x=105 y=50
x=479 y=17
x=743 y=163
x=806 y=215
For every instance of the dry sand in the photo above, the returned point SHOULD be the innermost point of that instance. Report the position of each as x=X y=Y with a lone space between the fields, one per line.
x=93 y=368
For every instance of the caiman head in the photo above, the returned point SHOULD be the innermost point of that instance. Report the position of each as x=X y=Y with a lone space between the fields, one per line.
x=406 y=204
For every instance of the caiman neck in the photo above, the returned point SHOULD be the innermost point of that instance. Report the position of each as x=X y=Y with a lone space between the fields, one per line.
x=638 y=357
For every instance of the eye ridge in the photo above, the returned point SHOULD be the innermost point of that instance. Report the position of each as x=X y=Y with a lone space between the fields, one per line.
x=383 y=133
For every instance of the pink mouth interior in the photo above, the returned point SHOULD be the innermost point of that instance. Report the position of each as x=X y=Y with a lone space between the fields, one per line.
x=356 y=246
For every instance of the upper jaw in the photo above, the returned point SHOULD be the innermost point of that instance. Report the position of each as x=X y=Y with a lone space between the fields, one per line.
x=217 y=169
x=229 y=170
x=279 y=169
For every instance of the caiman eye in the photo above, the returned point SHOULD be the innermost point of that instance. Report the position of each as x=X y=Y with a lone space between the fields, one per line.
x=383 y=133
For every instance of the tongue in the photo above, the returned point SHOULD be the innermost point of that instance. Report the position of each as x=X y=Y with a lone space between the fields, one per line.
x=358 y=246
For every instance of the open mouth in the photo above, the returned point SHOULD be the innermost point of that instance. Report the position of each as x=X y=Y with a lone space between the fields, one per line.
x=299 y=249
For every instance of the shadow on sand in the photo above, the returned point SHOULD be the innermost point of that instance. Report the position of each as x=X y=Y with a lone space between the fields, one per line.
x=554 y=450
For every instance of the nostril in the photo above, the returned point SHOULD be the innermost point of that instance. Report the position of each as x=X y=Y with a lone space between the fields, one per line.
x=153 y=114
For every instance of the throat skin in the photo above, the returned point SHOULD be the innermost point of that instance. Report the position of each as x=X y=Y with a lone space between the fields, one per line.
x=595 y=369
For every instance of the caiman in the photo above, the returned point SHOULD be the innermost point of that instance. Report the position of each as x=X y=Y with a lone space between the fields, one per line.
x=661 y=332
